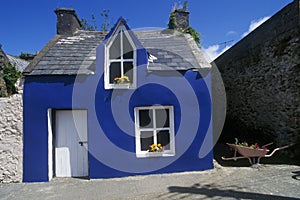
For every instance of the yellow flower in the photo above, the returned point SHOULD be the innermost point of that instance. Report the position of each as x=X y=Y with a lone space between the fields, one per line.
x=155 y=147
x=122 y=79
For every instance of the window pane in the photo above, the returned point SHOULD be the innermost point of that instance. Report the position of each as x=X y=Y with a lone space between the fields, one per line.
x=147 y=139
x=162 y=118
x=146 y=118
x=115 y=48
x=127 y=48
x=114 y=71
x=163 y=138
x=128 y=70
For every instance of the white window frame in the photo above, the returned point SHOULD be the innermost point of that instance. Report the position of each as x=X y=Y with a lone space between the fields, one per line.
x=108 y=61
x=138 y=129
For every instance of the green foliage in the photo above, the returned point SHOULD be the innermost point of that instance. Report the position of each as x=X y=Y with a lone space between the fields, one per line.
x=26 y=56
x=190 y=30
x=172 y=22
x=91 y=25
x=10 y=76
x=105 y=24
x=185 y=6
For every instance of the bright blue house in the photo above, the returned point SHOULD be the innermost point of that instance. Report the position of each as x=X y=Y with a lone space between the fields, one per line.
x=95 y=103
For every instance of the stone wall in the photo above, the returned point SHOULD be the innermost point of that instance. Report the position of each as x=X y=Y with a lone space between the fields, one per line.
x=11 y=139
x=261 y=74
x=3 y=62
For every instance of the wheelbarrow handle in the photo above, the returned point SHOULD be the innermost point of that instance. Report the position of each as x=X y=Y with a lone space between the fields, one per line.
x=279 y=148
x=267 y=144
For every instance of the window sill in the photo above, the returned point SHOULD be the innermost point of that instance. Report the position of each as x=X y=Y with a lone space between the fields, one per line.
x=153 y=154
x=120 y=86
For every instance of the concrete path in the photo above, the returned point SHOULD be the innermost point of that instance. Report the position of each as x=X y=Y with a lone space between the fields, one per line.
x=279 y=182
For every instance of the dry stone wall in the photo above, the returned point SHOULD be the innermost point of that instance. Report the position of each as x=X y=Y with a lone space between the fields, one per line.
x=11 y=139
x=261 y=74
x=3 y=62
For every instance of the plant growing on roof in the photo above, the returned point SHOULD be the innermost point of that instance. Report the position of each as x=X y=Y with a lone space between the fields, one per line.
x=106 y=24
x=190 y=30
x=172 y=22
x=185 y=6
x=91 y=25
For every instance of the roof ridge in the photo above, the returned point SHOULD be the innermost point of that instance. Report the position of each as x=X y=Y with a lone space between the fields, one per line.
x=89 y=31
x=196 y=51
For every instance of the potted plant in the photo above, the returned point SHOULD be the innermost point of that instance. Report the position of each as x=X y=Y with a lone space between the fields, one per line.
x=122 y=80
x=155 y=150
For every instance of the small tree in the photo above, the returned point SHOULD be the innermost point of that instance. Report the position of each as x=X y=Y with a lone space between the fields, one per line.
x=91 y=25
x=106 y=21
x=27 y=56
x=10 y=75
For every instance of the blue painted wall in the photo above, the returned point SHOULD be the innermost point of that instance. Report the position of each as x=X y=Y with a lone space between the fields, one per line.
x=111 y=137
x=106 y=160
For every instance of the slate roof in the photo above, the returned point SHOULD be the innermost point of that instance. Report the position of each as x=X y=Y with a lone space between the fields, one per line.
x=173 y=50
x=71 y=55
x=19 y=63
x=67 y=55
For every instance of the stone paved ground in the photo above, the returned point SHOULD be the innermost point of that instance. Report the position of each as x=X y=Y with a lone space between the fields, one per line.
x=279 y=182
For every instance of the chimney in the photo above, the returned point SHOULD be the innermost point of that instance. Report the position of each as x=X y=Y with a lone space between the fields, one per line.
x=181 y=16
x=67 y=21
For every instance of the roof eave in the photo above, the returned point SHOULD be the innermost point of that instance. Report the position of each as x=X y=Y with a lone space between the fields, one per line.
x=40 y=55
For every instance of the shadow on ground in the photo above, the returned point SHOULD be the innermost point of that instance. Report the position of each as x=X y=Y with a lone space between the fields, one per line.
x=296 y=175
x=210 y=191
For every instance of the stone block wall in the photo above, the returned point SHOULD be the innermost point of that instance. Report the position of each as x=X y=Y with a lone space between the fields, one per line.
x=11 y=139
x=3 y=62
x=261 y=74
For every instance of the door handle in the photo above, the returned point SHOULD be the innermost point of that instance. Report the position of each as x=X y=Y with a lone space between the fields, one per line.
x=82 y=142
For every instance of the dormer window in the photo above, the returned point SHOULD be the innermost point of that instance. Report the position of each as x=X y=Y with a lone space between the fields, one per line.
x=120 y=68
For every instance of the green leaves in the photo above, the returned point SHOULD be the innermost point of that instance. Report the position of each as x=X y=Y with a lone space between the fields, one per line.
x=10 y=75
x=172 y=22
x=190 y=30
x=91 y=25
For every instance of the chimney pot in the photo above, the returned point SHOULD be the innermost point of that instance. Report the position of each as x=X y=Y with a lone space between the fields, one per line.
x=67 y=21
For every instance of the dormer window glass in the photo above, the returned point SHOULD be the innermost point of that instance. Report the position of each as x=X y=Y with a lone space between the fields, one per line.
x=120 y=61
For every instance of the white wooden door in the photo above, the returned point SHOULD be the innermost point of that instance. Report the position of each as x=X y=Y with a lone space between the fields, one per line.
x=71 y=155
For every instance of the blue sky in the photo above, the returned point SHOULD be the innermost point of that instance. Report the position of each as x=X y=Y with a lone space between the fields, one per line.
x=27 y=25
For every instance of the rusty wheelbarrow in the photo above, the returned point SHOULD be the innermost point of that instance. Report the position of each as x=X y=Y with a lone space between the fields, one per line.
x=252 y=153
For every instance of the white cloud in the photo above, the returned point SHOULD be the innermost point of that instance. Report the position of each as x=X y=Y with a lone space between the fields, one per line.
x=211 y=52
x=229 y=33
x=214 y=51
x=254 y=24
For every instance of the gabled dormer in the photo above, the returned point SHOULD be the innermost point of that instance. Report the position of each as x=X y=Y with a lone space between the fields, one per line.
x=120 y=58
